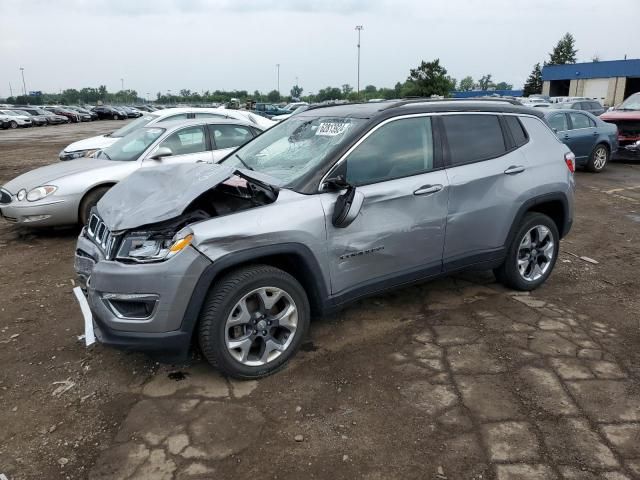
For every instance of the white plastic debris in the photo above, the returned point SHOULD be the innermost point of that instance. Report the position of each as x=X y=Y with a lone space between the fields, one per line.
x=65 y=386
x=89 y=334
x=590 y=260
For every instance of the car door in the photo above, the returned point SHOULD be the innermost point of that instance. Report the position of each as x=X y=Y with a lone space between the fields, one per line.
x=399 y=232
x=581 y=135
x=226 y=137
x=188 y=144
x=487 y=175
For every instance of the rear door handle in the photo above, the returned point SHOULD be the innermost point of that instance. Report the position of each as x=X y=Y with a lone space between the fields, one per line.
x=513 y=169
x=428 y=189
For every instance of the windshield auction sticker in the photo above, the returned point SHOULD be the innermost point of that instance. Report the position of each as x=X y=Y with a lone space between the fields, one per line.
x=331 y=129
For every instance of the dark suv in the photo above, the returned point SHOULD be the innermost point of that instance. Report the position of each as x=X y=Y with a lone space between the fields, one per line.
x=335 y=204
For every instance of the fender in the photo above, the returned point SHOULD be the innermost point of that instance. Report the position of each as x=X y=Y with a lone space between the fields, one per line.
x=530 y=205
x=316 y=290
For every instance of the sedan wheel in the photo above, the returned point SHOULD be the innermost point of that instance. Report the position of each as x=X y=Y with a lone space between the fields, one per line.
x=13 y=124
x=599 y=158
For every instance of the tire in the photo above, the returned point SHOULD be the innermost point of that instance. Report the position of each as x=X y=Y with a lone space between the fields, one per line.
x=598 y=159
x=510 y=274
x=115 y=117
x=13 y=124
x=224 y=299
x=89 y=201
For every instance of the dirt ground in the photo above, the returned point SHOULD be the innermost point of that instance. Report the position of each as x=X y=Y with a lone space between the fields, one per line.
x=454 y=379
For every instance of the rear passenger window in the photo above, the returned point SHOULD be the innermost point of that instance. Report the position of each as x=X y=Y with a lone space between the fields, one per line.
x=579 y=120
x=472 y=138
x=517 y=130
x=398 y=149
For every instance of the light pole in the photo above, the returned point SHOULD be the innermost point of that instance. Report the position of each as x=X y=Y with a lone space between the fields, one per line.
x=148 y=97
x=359 y=28
x=10 y=89
x=122 y=84
x=24 y=85
x=278 y=77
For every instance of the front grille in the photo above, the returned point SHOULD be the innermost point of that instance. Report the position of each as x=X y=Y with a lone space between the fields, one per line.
x=98 y=232
x=5 y=197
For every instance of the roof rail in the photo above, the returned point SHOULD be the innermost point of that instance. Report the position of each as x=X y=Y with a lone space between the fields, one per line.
x=410 y=101
x=326 y=105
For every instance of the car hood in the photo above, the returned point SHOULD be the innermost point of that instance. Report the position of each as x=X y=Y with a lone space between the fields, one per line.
x=93 y=143
x=620 y=115
x=153 y=195
x=49 y=174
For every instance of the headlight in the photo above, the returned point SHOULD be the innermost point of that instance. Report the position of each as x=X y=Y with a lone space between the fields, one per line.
x=22 y=194
x=152 y=247
x=40 y=192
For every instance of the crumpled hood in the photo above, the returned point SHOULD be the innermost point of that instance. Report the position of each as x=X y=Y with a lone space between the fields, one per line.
x=153 y=195
x=92 y=143
x=49 y=174
x=620 y=115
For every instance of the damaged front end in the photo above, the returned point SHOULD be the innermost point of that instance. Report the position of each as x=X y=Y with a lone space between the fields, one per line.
x=146 y=217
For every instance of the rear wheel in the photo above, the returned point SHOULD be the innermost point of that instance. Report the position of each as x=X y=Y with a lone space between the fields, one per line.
x=89 y=201
x=115 y=117
x=598 y=159
x=532 y=253
x=253 y=321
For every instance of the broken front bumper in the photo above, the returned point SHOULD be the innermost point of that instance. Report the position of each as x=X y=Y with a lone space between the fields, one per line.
x=140 y=306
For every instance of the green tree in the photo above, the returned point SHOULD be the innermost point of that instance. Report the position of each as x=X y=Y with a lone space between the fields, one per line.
x=564 y=52
x=429 y=78
x=296 y=91
x=454 y=83
x=485 y=82
x=346 y=89
x=467 y=84
x=533 y=84
x=329 y=93
x=504 y=86
x=273 y=96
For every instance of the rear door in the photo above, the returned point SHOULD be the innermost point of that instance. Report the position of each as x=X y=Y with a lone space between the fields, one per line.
x=227 y=137
x=581 y=135
x=399 y=232
x=487 y=175
x=189 y=144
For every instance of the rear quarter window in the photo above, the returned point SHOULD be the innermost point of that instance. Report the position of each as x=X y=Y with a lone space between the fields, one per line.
x=518 y=133
x=472 y=138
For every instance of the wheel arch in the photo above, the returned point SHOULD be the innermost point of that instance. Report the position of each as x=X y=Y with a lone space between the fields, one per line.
x=554 y=205
x=90 y=190
x=293 y=258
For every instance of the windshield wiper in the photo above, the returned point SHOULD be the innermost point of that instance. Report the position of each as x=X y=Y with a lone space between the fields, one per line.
x=243 y=162
x=102 y=152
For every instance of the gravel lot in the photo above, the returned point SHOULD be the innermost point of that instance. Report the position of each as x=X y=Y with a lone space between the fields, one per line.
x=455 y=379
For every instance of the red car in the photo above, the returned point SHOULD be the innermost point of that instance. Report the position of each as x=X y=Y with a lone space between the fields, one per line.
x=626 y=117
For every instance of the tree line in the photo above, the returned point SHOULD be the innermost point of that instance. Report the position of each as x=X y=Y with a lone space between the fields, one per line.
x=426 y=80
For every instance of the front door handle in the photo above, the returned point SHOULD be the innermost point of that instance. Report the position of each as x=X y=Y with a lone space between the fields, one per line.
x=513 y=169
x=428 y=189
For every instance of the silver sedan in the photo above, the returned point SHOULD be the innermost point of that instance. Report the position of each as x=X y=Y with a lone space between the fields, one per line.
x=64 y=193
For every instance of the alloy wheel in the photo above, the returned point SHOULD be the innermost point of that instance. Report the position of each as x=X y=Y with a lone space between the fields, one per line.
x=261 y=326
x=600 y=158
x=535 y=253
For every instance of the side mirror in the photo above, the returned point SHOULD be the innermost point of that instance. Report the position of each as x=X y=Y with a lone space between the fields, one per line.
x=347 y=207
x=160 y=153
x=555 y=130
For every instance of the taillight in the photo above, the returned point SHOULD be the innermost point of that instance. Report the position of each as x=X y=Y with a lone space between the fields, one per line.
x=570 y=160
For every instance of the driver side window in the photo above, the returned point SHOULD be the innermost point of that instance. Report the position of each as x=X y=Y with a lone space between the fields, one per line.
x=185 y=141
x=400 y=148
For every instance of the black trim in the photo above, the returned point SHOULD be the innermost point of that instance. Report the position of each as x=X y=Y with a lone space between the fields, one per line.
x=563 y=230
x=384 y=284
x=318 y=295
x=493 y=258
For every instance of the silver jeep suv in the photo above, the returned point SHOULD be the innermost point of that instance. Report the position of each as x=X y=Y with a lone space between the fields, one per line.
x=332 y=205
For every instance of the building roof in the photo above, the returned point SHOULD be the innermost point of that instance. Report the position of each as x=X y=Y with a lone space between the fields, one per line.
x=612 y=68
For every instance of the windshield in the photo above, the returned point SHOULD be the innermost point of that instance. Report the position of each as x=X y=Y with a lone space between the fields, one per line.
x=631 y=103
x=9 y=112
x=136 y=124
x=292 y=148
x=22 y=112
x=132 y=146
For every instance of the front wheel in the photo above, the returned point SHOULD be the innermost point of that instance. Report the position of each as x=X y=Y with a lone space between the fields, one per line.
x=13 y=124
x=532 y=253
x=89 y=201
x=598 y=159
x=253 y=321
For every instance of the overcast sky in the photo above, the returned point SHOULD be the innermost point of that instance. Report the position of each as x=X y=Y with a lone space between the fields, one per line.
x=160 y=45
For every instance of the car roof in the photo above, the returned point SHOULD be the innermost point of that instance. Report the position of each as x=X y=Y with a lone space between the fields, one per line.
x=567 y=110
x=395 y=108
x=175 y=124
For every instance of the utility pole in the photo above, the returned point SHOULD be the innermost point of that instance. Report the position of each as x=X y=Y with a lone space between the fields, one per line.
x=122 y=84
x=24 y=85
x=278 y=76
x=10 y=90
x=359 y=28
